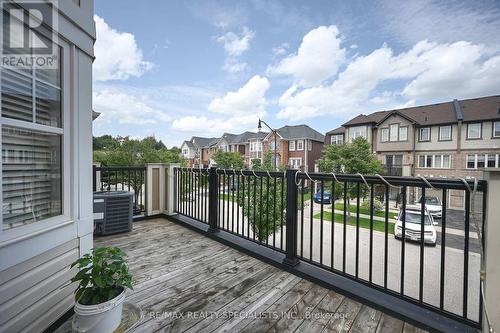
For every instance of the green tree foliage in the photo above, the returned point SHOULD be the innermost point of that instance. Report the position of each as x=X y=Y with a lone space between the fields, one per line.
x=229 y=160
x=266 y=212
x=350 y=158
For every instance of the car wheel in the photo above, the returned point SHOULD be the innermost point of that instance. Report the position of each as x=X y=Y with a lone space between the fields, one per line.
x=433 y=244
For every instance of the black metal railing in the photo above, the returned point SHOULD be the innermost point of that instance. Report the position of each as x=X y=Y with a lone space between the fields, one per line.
x=418 y=253
x=123 y=178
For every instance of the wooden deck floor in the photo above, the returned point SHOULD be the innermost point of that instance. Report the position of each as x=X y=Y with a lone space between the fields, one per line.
x=184 y=281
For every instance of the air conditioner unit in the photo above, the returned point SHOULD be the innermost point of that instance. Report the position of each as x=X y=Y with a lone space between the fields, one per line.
x=112 y=212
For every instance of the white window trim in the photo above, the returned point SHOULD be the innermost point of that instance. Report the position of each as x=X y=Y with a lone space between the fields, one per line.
x=497 y=161
x=433 y=166
x=439 y=133
x=69 y=176
x=382 y=130
x=399 y=133
x=396 y=126
x=420 y=130
x=493 y=129
x=336 y=141
x=297 y=145
x=291 y=146
x=480 y=131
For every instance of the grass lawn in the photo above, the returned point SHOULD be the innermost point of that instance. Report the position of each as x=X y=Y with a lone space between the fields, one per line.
x=352 y=209
x=351 y=220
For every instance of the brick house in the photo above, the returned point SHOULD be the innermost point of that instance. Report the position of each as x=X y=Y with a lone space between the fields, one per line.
x=298 y=146
x=448 y=140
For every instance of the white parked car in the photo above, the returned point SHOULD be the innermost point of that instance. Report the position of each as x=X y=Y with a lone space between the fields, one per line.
x=413 y=225
x=434 y=205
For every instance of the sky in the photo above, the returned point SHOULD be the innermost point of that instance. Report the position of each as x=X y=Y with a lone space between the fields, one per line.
x=174 y=69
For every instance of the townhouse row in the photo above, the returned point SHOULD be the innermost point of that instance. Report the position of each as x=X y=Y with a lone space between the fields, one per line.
x=296 y=147
x=459 y=138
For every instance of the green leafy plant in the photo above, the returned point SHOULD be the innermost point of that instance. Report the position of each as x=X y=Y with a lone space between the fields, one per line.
x=102 y=275
x=378 y=206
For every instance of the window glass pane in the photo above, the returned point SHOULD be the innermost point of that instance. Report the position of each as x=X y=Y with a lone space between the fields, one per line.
x=445 y=133
x=480 y=161
x=356 y=132
x=398 y=159
x=292 y=145
x=437 y=161
x=300 y=144
x=393 y=132
x=384 y=134
x=48 y=105
x=403 y=133
x=52 y=75
x=31 y=176
x=421 y=161
x=496 y=129
x=471 y=161
x=17 y=96
x=446 y=161
x=428 y=161
x=424 y=134
x=491 y=161
x=474 y=131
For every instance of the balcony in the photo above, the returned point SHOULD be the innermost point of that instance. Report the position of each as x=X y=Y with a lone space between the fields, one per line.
x=185 y=281
x=203 y=262
x=393 y=170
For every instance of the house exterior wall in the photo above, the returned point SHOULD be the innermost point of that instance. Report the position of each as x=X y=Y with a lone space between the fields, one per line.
x=393 y=146
x=435 y=143
x=35 y=258
x=487 y=141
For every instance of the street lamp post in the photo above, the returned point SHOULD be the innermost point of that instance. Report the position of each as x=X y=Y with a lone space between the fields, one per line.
x=259 y=127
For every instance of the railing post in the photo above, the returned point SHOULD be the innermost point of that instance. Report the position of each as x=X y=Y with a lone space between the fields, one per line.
x=492 y=249
x=291 y=219
x=154 y=188
x=170 y=188
x=213 y=212
x=96 y=176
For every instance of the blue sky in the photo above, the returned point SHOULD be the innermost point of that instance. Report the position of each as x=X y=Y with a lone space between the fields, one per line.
x=174 y=69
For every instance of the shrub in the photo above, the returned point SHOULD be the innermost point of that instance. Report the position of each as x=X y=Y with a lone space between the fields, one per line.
x=378 y=206
x=103 y=275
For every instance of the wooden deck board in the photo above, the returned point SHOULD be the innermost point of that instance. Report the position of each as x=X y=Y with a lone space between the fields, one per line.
x=184 y=281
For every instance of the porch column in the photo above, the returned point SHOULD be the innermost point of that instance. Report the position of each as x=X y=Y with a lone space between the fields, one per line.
x=169 y=190
x=492 y=249
x=155 y=184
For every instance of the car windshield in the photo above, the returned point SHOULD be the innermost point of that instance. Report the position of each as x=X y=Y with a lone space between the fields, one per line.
x=432 y=201
x=414 y=217
x=325 y=193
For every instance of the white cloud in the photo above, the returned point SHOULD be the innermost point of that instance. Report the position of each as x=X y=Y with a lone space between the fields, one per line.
x=432 y=71
x=317 y=59
x=236 y=111
x=233 y=66
x=248 y=99
x=235 y=44
x=281 y=49
x=122 y=108
x=117 y=55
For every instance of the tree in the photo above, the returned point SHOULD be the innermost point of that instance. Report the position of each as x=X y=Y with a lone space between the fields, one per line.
x=350 y=158
x=266 y=212
x=229 y=160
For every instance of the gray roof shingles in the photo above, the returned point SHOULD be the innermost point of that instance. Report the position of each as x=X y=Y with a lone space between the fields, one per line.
x=300 y=132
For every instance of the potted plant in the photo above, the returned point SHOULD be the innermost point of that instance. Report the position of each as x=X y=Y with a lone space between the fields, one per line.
x=103 y=277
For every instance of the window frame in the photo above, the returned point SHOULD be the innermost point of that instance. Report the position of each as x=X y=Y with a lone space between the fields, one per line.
x=493 y=124
x=68 y=148
x=337 y=141
x=451 y=133
x=291 y=145
x=297 y=145
x=420 y=134
x=351 y=130
x=399 y=133
x=396 y=126
x=480 y=131
x=382 y=131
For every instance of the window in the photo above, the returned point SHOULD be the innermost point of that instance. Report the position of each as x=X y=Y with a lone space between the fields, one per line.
x=309 y=145
x=295 y=162
x=185 y=151
x=357 y=132
x=437 y=161
x=476 y=161
x=255 y=146
x=393 y=132
x=474 y=131
x=337 y=139
x=32 y=142
x=403 y=133
x=496 y=129
x=384 y=135
x=424 y=134
x=445 y=133
x=491 y=160
x=300 y=144
x=291 y=146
